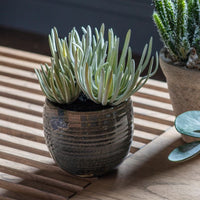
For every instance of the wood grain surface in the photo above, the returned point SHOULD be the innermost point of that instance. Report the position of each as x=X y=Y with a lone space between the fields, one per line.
x=149 y=175
x=26 y=169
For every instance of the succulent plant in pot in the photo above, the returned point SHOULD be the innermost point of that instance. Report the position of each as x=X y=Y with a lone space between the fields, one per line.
x=178 y=23
x=88 y=113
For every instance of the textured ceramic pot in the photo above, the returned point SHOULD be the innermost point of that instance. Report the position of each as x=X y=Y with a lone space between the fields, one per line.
x=88 y=143
x=184 y=87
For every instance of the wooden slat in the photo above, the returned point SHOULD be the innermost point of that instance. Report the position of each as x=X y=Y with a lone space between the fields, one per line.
x=156 y=85
x=30 y=191
x=21 y=106
x=18 y=64
x=21 y=128
x=25 y=145
x=21 y=118
x=154 y=95
x=152 y=103
x=64 y=177
x=21 y=95
x=51 y=168
x=42 y=179
x=24 y=55
x=18 y=74
x=20 y=84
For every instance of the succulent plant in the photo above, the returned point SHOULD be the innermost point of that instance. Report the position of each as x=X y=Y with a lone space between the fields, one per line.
x=91 y=65
x=107 y=79
x=58 y=82
x=178 y=23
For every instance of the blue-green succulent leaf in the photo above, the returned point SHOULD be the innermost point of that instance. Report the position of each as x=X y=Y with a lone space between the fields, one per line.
x=185 y=152
x=188 y=123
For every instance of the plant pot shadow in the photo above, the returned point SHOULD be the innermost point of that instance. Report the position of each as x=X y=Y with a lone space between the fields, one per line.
x=147 y=168
x=49 y=182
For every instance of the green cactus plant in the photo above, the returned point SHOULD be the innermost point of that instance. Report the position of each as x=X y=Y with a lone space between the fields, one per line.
x=90 y=64
x=178 y=23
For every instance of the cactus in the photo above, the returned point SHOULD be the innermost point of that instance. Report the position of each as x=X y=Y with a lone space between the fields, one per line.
x=178 y=23
x=90 y=64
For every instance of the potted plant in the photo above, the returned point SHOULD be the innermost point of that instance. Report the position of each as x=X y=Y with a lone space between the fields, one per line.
x=88 y=113
x=178 y=24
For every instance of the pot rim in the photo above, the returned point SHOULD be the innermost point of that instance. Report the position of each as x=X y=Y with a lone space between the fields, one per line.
x=104 y=111
x=181 y=66
x=175 y=68
x=168 y=60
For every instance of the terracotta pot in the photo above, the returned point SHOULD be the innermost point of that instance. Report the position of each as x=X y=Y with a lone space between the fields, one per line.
x=184 y=87
x=88 y=143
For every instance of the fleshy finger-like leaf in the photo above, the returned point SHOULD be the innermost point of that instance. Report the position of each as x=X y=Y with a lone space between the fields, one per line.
x=185 y=152
x=188 y=123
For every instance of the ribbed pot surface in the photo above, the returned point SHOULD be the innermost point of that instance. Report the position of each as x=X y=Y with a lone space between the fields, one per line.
x=88 y=143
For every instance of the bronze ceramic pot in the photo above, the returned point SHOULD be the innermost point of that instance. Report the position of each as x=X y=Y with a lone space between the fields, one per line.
x=184 y=87
x=88 y=143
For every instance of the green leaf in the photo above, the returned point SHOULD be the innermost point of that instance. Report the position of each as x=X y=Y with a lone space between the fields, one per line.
x=188 y=123
x=125 y=48
x=185 y=152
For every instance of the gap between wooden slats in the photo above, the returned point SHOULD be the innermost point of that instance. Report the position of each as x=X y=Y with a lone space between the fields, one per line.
x=22 y=96
x=133 y=150
x=24 y=55
x=153 y=107
x=21 y=118
x=156 y=85
x=21 y=106
x=19 y=64
x=145 y=135
x=50 y=168
x=27 y=155
x=136 y=146
x=22 y=131
x=24 y=144
x=148 y=129
x=22 y=93
x=154 y=94
x=153 y=116
x=30 y=191
x=151 y=102
x=40 y=183
x=141 y=139
x=72 y=180
x=24 y=148
x=41 y=179
x=153 y=97
x=150 y=124
x=18 y=74
x=20 y=85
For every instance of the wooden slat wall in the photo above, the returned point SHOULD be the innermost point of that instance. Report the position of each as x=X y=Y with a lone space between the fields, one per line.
x=26 y=168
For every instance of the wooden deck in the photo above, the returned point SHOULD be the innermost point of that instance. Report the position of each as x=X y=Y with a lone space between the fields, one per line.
x=27 y=172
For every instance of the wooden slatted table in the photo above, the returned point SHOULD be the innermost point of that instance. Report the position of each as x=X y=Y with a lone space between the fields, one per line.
x=27 y=172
